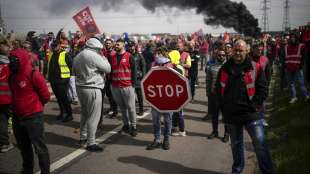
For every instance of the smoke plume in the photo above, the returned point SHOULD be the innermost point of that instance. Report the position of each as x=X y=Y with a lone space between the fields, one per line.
x=216 y=12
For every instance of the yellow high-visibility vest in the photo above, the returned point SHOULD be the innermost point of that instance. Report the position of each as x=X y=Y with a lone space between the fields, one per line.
x=64 y=69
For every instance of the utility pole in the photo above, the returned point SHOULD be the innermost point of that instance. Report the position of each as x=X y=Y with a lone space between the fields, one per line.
x=265 y=9
x=286 y=17
x=2 y=25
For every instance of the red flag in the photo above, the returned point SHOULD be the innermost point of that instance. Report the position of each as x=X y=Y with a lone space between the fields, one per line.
x=86 y=22
x=226 y=37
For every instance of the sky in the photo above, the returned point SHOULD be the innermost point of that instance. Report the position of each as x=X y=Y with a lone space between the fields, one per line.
x=38 y=15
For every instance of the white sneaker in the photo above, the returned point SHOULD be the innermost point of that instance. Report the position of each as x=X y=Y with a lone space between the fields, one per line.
x=265 y=123
x=175 y=134
x=6 y=148
x=293 y=100
x=183 y=134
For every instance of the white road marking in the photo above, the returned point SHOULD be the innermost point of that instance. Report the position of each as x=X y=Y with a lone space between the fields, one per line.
x=65 y=160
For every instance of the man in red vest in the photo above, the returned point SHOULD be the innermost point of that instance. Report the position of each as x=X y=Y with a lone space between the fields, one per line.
x=5 y=96
x=295 y=54
x=306 y=40
x=123 y=78
x=256 y=55
x=242 y=88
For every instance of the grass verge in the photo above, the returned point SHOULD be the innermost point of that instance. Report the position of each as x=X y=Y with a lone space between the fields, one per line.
x=289 y=134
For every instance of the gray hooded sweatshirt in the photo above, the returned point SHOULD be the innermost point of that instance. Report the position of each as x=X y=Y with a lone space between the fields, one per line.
x=89 y=66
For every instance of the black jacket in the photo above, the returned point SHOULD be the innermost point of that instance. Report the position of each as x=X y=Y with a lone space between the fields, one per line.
x=235 y=104
x=54 y=69
x=140 y=68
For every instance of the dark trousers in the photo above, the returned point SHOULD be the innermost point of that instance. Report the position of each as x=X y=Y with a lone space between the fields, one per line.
x=61 y=92
x=214 y=111
x=45 y=68
x=108 y=93
x=30 y=133
x=140 y=98
x=178 y=120
x=203 y=58
x=283 y=81
x=193 y=74
x=4 y=117
x=308 y=68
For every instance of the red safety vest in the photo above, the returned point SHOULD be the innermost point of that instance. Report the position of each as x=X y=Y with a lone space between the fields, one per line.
x=249 y=80
x=5 y=92
x=293 y=57
x=263 y=61
x=121 y=71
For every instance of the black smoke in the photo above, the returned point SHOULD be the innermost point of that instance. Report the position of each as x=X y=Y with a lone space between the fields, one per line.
x=216 y=12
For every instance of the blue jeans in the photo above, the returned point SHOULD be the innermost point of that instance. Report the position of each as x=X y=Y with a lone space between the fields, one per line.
x=256 y=132
x=178 y=120
x=156 y=124
x=292 y=77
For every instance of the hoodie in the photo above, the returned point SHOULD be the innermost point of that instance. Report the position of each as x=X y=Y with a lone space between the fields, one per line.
x=29 y=89
x=89 y=66
x=162 y=61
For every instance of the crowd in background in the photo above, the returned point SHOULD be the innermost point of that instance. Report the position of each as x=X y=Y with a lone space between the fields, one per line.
x=82 y=68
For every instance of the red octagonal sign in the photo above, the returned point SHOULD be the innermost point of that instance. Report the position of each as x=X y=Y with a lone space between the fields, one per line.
x=165 y=89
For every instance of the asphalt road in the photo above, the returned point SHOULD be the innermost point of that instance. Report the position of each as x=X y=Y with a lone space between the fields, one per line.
x=193 y=154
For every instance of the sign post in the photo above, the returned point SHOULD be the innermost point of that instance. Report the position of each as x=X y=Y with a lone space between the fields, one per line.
x=165 y=89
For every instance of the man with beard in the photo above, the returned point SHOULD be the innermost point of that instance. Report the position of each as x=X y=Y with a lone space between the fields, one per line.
x=213 y=104
x=123 y=76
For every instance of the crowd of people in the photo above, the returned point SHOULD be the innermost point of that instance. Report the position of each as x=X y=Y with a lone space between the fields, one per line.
x=85 y=70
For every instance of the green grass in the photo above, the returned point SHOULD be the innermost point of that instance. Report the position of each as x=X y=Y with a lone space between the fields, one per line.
x=289 y=135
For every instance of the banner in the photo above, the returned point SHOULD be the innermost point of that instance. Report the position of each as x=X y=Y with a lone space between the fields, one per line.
x=86 y=22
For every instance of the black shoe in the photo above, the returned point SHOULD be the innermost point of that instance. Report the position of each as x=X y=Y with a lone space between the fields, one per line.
x=113 y=115
x=94 y=148
x=134 y=132
x=26 y=172
x=155 y=145
x=141 y=112
x=125 y=128
x=82 y=143
x=205 y=118
x=166 y=144
x=107 y=111
x=225 y=139
x=213 y=135
x=67 y=119
x=59 y=117
x=74 y=102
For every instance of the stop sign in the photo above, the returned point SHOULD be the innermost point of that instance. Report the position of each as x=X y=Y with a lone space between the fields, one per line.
x=165 y=89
